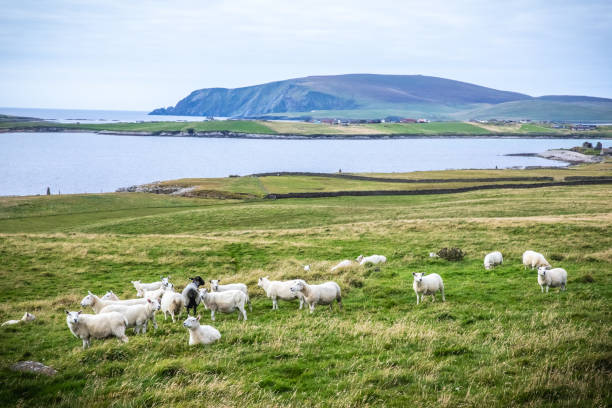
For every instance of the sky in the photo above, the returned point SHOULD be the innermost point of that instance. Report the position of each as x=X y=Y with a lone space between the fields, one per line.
x=140 y=55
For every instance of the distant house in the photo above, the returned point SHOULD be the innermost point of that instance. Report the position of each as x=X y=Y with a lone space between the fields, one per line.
x=328 y=121
x=408 y=120
x=580 y=127
x=422 y=120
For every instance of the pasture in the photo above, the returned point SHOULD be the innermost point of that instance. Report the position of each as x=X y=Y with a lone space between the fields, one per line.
x=496 y=341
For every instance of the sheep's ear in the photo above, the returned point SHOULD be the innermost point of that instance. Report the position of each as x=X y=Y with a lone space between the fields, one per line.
x=149 y=301
x=67 y=312
x=89 y=293
x=198 y=318
x=79 y=312
x=413 y=274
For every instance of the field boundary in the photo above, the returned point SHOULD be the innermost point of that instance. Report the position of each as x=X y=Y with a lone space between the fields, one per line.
x=400 y=180
x=360 y=193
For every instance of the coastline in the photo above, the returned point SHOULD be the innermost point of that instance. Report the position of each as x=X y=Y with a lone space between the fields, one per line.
x=292 y=136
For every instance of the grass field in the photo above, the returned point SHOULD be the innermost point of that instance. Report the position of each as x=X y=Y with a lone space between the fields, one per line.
x=496 y=341
x=304 y=128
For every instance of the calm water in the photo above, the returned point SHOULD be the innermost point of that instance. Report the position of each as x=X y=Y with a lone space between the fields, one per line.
x=87 y=162
x=94 y=116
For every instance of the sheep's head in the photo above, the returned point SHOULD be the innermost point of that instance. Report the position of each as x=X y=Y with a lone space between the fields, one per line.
x=198 y=281
x=298 y=286
x=192 y=322
x=261 y=281
x=359 y=258
x=154 y=303
x=487 y=266
x=165 y=281
x=88 y=300
x=28 y=317
x=542 y=270
x=214 y=284
x=72 y=317
x=109 y=296
x=418 y=276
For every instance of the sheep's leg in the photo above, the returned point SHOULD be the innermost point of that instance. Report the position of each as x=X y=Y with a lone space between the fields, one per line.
x=417 y=299
x=301 y=302
x=84 y=344
x=339 y=303
x=154 y=322
x=250 y=305
x=443 y=298
x=143 y=329
x=542 y=287
x=547 y=289
x=164 y=315
x=330 y=307
x=274 y=304
x=312 y=306
x=212 y=314
x=172 y=316
x=243 y=310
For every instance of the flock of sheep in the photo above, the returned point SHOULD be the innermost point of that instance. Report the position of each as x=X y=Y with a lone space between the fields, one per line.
x=113 y=316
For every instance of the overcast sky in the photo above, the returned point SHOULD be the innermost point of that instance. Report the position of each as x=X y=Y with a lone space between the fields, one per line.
x=128 y=54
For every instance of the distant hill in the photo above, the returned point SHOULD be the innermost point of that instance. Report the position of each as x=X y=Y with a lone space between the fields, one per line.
x=369 y=95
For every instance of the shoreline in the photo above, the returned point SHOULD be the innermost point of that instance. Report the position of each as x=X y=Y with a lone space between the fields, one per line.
x=322 y=136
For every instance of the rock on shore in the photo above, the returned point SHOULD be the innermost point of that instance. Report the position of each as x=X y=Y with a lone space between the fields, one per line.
x=569 y=156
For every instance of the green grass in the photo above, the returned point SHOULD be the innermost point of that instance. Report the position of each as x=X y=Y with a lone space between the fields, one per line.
x=303 y=128
x=496 y=341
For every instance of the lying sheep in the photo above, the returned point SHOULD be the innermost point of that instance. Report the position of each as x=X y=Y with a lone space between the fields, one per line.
x=342 y=265
x=171 y=302
x=279 y=290
x=427 y=285
x=534 y=259
x=373 y=259
x=322 y=294
x=224 y=302
x=551 y=278
x=87 y=326
x=27 y=317
x=137 y=315
x=200 y=334
x=110 y=296
x=493 y=259
x=215 y=287
x=191 y=296
x=142 y=287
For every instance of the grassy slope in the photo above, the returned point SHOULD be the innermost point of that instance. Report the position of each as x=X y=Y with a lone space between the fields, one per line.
x=496 y=341
x=302 y=128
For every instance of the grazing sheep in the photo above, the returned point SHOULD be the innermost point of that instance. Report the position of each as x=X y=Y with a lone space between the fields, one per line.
x=342 y=265
x=279 y=290
x=215 y=287
x=142 y=287
x=87 y=326
x=307 y=268
x=373 y=259
x=551 y=278
x=191 y=296
x=155 y=294
x=171 y=302
x=98 y=304
x=27 y=317
x=534 y=259
x=110 y=296
x=200 y=334
x=322 y=294
x=137 y=315
x=427 y=285
x=224 y=302
x=493 y=259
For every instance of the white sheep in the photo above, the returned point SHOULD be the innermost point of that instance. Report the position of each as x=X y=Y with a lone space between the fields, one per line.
x=171 y=302
x=216 y=287
x=534 y=259
x=433 y=255
x=200 y=334
x=552 y=278
x=322 y=294
x=493 y=259
x=27 y=317
x=137 y=315
x=373 y=259
x=87 y=326
x=279 y=290
x=110 y=296
x=307 y=268
x=347 y=263
x=142 y=287
x=98 y=304
x=154 y=294
x=427 y=285
x=224 y=302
